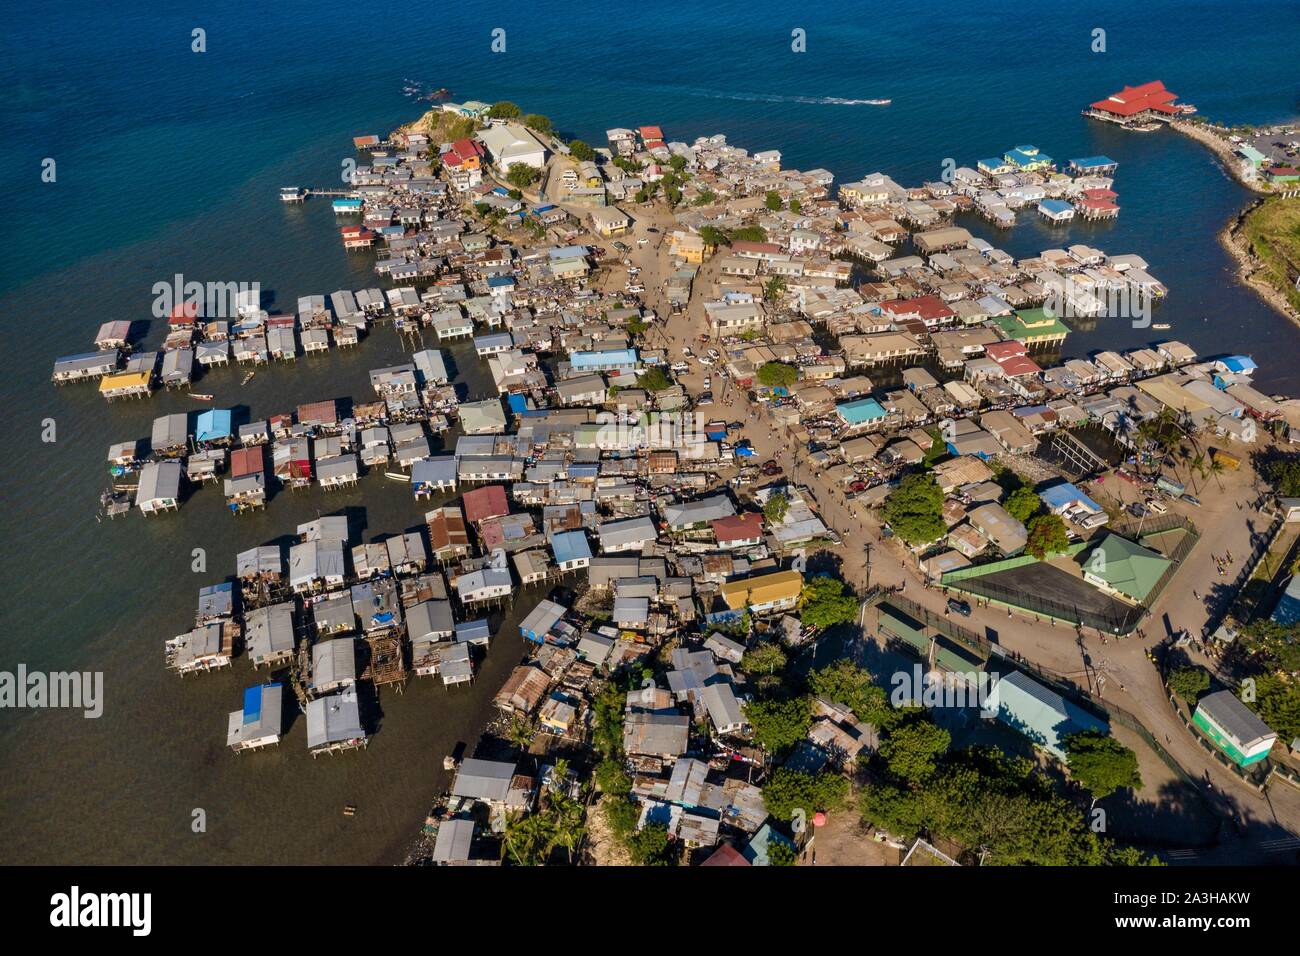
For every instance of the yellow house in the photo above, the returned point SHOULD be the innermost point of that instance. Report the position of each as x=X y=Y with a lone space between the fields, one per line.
x=125 y=383
x=687 y=246
x=762 y=593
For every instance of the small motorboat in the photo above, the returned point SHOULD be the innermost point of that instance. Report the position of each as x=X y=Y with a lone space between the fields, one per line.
x=200 y=397
x=248 y=378
x=879 y=102
x=1160 y=326
x=441 y=93
x=397 y=476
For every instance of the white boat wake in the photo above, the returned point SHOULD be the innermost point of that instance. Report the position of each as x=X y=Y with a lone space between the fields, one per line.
x=778 y=98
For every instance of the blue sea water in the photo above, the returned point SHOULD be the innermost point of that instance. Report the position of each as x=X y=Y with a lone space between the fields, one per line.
x=168 y=161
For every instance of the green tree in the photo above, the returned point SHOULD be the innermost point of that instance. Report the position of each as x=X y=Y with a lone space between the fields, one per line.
x=787 y=791
x=521 y=175
x=622 y=814
x=653 y=379
x=773 y=200
x=538 y=122
x=1277 y=701
x=1278 y=644
x=778 y=724
x=850 y=684
x=607 y=726
x=612 y=778
x=777 y=375
x=781 y=854
x=823 y=603
x=796 y=207
x=915 y=510
x=503 y=109
x=1101 y=764
x=765 y=657
x=775 y=507
x=912 y=750
x=678 y=163
x=1283 y=472
x=712 y=236
x=1023 y=503
x=1046 y=536
x=581 y=151
x=528 y=840
x=649 y=846
x=748 y=234
x=1189 y=683
x=705 y=197
x=774 y=288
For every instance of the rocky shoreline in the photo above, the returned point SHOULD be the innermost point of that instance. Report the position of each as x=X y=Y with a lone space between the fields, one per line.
x=1222 y=149
x=1233 y=238
x=1233 y=234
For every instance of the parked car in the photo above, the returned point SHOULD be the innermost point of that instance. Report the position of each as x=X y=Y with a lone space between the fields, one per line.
x=1192 y=501
x=706 y=398
x=959 y=607
x=1157 y=507
x=708 y=382
x=1137 y=509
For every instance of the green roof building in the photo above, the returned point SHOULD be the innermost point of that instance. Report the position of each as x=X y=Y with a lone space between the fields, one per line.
x=1124 y=568
x=1234 y=728
x=1034 y=327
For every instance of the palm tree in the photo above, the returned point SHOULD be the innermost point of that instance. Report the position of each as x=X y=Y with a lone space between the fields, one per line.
x=1197 y=469
x=1216 y=469
x=521 y=734
x=528 y=840
x=567 y=817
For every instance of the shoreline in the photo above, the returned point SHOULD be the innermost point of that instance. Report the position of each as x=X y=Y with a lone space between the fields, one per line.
x=1233 y=239
x=1231 y=235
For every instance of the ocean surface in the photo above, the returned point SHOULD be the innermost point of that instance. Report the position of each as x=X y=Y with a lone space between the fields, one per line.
x=168 y=162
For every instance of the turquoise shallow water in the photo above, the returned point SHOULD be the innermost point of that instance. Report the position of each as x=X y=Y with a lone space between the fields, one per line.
x=168 y=162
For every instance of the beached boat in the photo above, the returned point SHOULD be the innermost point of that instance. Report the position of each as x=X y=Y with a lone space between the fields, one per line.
x=200 y=397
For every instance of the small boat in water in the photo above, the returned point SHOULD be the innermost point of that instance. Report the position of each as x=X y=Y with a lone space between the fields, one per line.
x=879 y=102
x=200 y=397
x=248 y=378
x=397 y=476
x=1160 y=326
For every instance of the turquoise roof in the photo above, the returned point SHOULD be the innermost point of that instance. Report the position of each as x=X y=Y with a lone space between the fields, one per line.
x=861 y=410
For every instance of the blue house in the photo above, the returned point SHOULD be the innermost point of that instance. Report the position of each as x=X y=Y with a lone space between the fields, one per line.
x=572 y=550
x=1093 y=166
x=861 y=411
x=347 y=206
x=213 y=426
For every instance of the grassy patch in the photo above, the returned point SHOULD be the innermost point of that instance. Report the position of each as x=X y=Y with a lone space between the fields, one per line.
x=1273 y=229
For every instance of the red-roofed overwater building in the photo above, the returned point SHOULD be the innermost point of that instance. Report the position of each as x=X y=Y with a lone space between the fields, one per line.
x=1136 y=105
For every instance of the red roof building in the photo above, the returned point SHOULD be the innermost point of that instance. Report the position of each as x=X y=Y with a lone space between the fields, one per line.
x=486 y=502
x=649 y=133
x=1139 y=102
x=930 y=309
x=1012 y=358
x=737 y=529
x=247 y=461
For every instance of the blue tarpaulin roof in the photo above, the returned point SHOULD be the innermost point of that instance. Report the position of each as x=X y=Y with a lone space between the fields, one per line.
x=252 y=704
x=214 y=423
